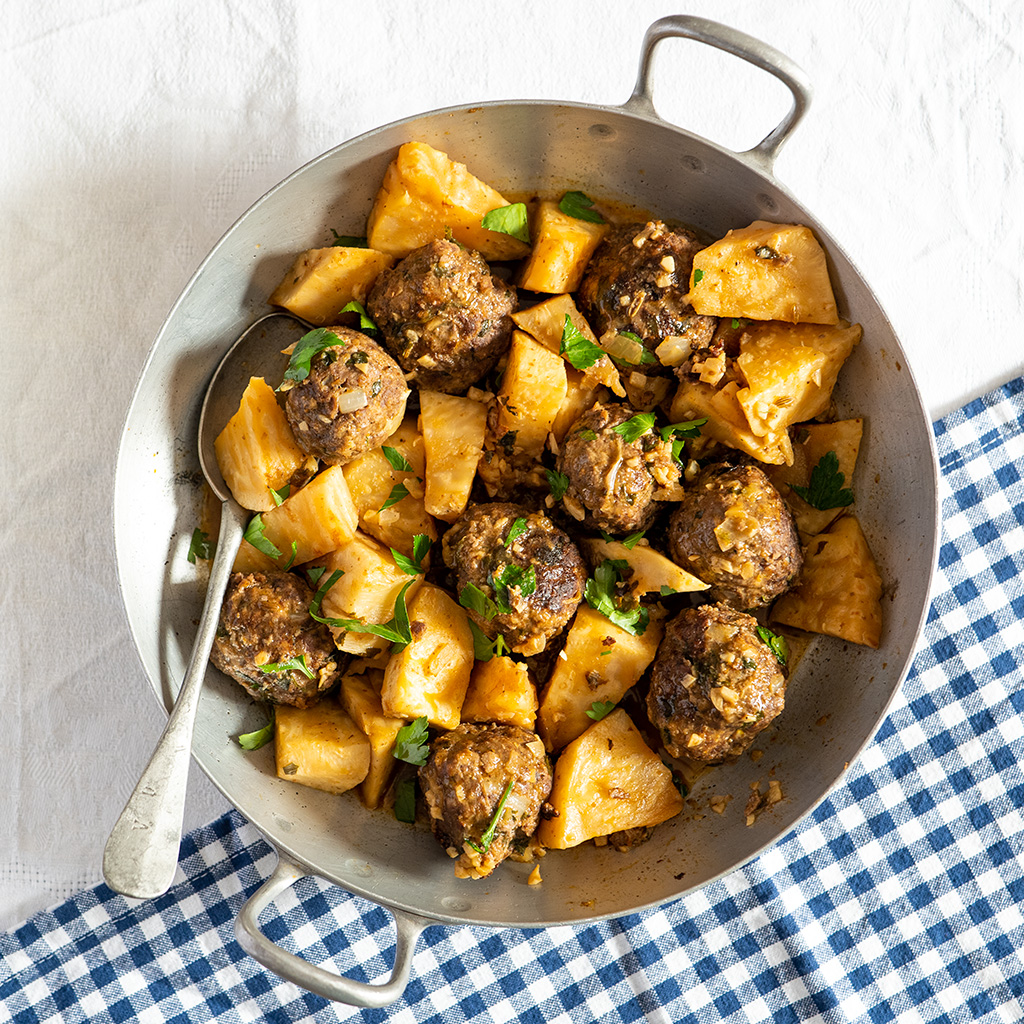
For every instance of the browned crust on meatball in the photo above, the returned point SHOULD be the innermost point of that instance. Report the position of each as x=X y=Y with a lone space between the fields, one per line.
x=637 y=281
x=444 y=316
x=615 y=485
x=463 y=782
x=477 y=550
x=264 y=620
x=339 y=374
x=734 y=530
x=714 y=684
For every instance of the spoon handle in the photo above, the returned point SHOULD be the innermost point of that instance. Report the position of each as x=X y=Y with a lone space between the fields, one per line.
x=141 y=854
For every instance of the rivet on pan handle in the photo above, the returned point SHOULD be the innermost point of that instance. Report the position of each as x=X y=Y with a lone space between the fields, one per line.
x=314 y=979
x=740 y=45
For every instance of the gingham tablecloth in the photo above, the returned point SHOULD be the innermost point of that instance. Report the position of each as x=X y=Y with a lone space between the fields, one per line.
x=898 y=899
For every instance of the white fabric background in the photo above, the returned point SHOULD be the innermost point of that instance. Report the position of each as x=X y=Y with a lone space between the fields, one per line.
x=134 y=133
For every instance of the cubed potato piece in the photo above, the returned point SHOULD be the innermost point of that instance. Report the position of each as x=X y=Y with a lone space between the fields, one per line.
x=839 y=591
x=600 y=662
x=322 y=282
x=813 y=441
x=501 y=690
x=430 y=675
x=790 y=371
x=453 y=441
x=315 y=519
x=726 y=421
x=533 y=388
x=652 y=572
x=766 y=272
x=256 y=450
x=561 y=247
x=606 y=781
x=367 y=591
x=320 y=747
x=371 y=478
x=581 y=393
x=423 y=195
x=361 y=699
x=546 y=322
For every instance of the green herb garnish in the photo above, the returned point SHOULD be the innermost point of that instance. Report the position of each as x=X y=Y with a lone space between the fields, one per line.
x=309 y=345
x=315 y=574
x=349 y=241
x=599 y=709
x=635 y=426
x=488 y=837
x=292 y=665
x=396 y=459
x=365 y=323
x=557 y=482
x=580 y=206
x=599 y=593
x=254 y=535
x=200 y=546
x=698 y=276
x=586 y=434
x=518 y=527
x=580 y=351
x=279 y=496
x=826 y=489
x=405 y=800
x=680 y=433
x=412 y=742
x=397 y=629
x=398 y=492
x=646 y=356
x=777 y=643
x=474 y=599
x=509 y=576
x=257 y=739
x=632 y=540
x=484 y=648
x=508 y=220
x=421 y=544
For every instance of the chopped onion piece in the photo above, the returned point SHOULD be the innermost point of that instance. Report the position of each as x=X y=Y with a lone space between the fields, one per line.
x=673 y=351
x=618 y=346
x=352 y=399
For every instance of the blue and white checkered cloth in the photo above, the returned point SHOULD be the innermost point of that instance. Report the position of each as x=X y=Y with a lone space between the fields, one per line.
x=901 y=898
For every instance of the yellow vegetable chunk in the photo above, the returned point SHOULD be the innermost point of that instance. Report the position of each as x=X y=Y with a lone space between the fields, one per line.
x=561 y=247
x=361 y=699
x=453 y=441
x=581 y=393
x=726 y=421
x=430 y=675
x=315 y=519
x=790 y=371
x=533 y=388
x=840 y=590
x=812 y=443
x=651 y=573
x=607 y=780
x=320 y=747
x=250 y=559
x=371 y=478
x=322 y=282
x=546 y=322
x=765 y=272
x=367 y=591
x=424 y=194
x=256 y=450
x=501 y=690
x=601 y=662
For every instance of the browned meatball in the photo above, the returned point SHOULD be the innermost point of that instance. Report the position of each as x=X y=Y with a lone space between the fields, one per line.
x=265 y=620
x=615 y=484
x=734 y=531
x=714 y=684
x=516 y=572
x=464 y=780
x=353 y=399
x=637 y=281
x=444 y=317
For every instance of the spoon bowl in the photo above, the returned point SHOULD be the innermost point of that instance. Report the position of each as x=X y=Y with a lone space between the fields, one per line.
x=141 y=854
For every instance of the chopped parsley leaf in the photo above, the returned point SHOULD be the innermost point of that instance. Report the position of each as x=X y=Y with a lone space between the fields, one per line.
x=412 y=742
x=309 y=345
x=635 y=426
x=599 y=593
x=280 y=495
x=508 y=220
x=777 y=643
x=632 y=540
x=599 y=709
x=488 y=837
x=258 y=738
x=557 y=482
x=398 y=492
x=397 y=629
x=421 y=544
x=580 y=206
x=587 y=434
x=396 y=459
x=518 y=527
x=698 y=276
x=474 y=599
x=349 y=241
x=405 y=800
x=579 y=350
x=254 y=536
x=484 y=648
x=509 y=576
x=826 y=486
x=292 y=665
x=318 y=597
x=200 y=546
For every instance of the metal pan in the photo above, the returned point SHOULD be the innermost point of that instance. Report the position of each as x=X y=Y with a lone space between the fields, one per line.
x=837 y=699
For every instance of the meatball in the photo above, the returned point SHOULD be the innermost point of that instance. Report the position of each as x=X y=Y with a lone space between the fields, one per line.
x=525 y=576
x=464 y=781
x=444 y=317
x=637 y=281
x=352 y=400
x=265 y=620
x=714 y=684
x=614 y=483
x=735 y=531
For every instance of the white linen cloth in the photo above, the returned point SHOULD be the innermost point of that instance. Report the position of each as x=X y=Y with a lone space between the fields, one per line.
x=133 y=134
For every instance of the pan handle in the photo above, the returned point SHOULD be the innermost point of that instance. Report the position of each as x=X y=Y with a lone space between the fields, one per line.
x=740 y=45
x=314 y=979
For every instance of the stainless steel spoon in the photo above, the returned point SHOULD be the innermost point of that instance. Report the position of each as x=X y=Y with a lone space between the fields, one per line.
x=141 y=854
